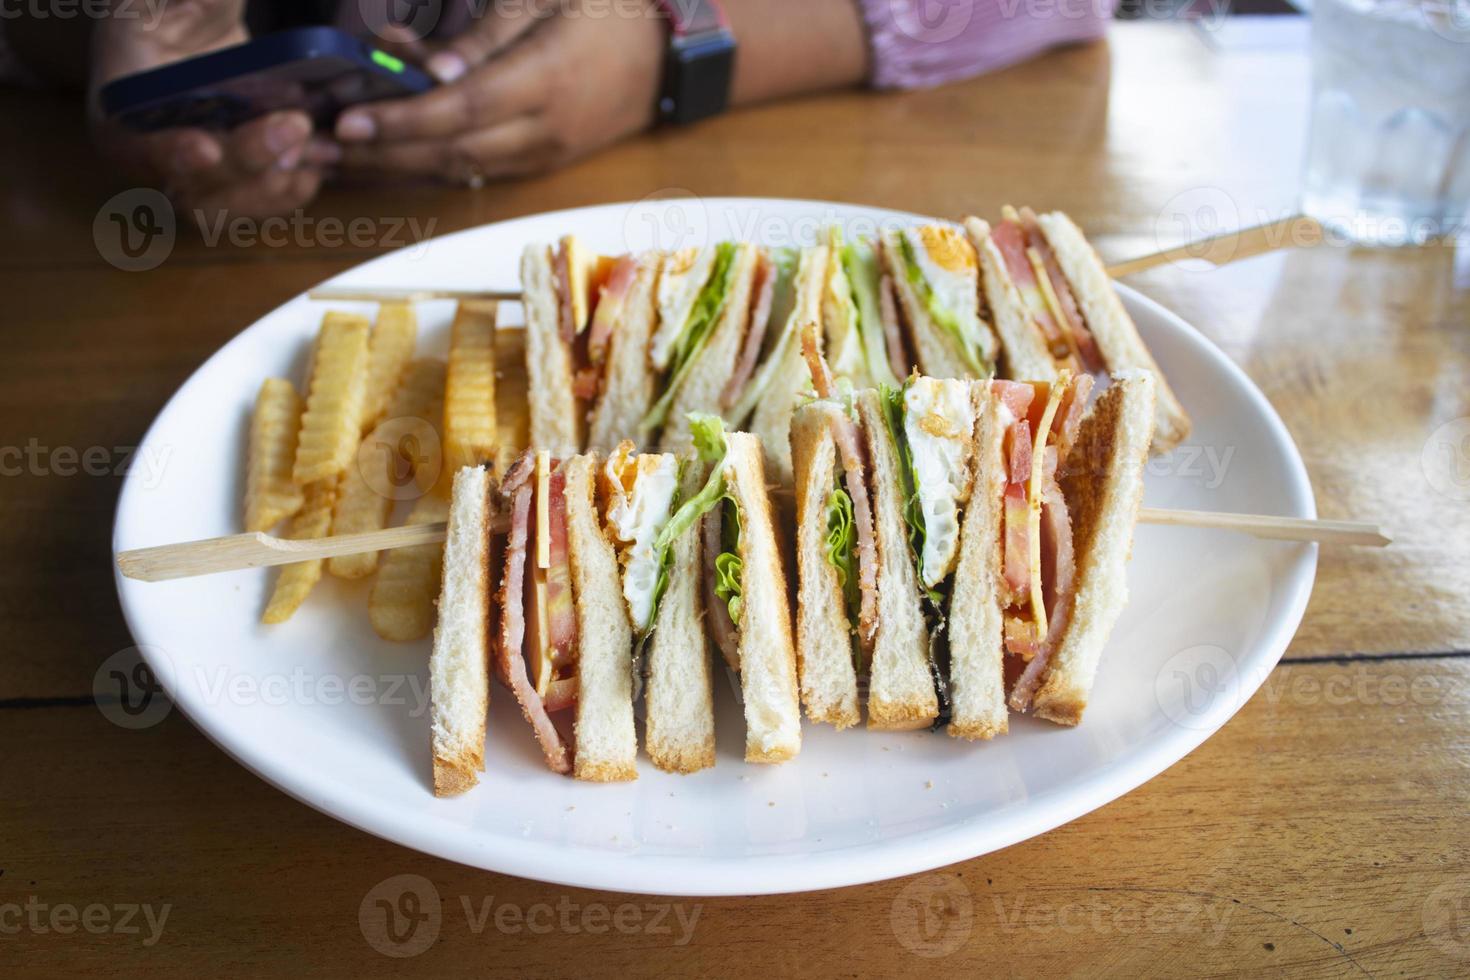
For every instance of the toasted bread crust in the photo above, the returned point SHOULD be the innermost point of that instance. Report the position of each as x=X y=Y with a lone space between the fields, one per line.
x=901 y=689
x=607 y=741
x=1103 y=485
x=1024 y=353
x=1114 y=330
x=554 y=414
x=680 y=730
x=767 y=651
x=705 y=383
x=823 y=630
x=771 y=421
x=977 y=661
x=456 y=776
x=628 y=390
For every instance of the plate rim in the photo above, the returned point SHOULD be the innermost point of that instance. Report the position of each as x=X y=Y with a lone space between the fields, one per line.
x=705 y=876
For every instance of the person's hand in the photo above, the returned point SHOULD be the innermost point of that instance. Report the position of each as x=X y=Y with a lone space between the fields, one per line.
x=523 y=92
x=267 y=166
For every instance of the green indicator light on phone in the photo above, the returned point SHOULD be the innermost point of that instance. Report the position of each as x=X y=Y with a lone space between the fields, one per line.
x=388 y=61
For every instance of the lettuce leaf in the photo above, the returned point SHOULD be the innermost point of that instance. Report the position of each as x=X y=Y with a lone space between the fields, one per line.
x=860 y=263
x=729 y=569
x=913 y=514
x=940 y=314
x=697 y=330
x=709 y=440
x=841 y=554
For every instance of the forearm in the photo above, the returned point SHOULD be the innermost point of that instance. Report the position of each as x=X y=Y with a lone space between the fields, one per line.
x=789 y=47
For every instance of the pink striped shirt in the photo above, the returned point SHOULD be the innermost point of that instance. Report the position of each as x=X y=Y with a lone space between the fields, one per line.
x=920 y=43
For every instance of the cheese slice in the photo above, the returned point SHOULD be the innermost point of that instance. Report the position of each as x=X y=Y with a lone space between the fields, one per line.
x=1033 y=497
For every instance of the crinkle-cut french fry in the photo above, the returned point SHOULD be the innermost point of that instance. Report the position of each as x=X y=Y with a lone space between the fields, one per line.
x=389 y=350
x=401 y=606
x=332 y=423
x=296 y=581
x=270 y=496
x=469 y=396
x=386 y=469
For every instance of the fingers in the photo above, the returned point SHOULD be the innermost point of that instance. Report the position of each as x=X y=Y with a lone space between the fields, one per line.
x=272 y=142
x=269 y=193
x=495 y=92
x=491 y=33
x=511 y=147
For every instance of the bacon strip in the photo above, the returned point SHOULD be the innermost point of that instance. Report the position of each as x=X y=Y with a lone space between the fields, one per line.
x=815 y=362
x=510 y=660
x=755 y=333
x=717 y=613
x=850 y=449
x=1087 y=352
x=561 y=614
x=1010 y=239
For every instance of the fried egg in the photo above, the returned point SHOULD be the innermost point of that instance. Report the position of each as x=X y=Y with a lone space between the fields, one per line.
x=939 y=423
x=681 y=280
x=641 y=498
x=948 y=263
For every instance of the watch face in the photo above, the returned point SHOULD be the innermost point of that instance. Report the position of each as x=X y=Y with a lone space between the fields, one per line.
x=700 y=70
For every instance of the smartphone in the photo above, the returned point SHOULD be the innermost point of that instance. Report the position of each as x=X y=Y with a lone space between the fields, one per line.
x=319 y=70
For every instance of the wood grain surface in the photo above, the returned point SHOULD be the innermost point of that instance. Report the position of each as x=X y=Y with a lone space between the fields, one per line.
x=1320 y=832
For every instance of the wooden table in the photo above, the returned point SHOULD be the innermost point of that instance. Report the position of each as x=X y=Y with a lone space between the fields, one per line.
x=1322 y=831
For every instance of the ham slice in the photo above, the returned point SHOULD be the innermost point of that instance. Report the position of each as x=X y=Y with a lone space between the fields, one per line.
x=717 y=613
x=1058 y=565
x=1010 y=240
x=561 y=612
x=562 y=270
x=850 y=449
x=892 y=329
x=755 y=332
x=510 y=661
x=609 y=300
x=1089 y=357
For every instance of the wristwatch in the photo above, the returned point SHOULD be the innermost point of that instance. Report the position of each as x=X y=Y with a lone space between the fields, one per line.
x=700 y=63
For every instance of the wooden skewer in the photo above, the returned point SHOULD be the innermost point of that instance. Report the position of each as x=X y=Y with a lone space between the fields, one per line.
x=1232 y=246
x=1279 y=528
x=348 y=295
x=237 y=551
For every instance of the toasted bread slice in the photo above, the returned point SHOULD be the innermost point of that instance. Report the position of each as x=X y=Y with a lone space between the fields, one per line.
x=459 y=666
x=824 y=633
x=901 y=687
x=627 y=394
x=1023 y=349
x=703 y=386
x=1117 y=336
x=607 y=742
x=680 y=732
x=772 y=419
x=1103 y=485
x=555 y=422
x=767 y=654
x=976 y=650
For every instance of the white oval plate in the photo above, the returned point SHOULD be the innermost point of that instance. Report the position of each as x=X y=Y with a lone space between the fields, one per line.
x=325 y=710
